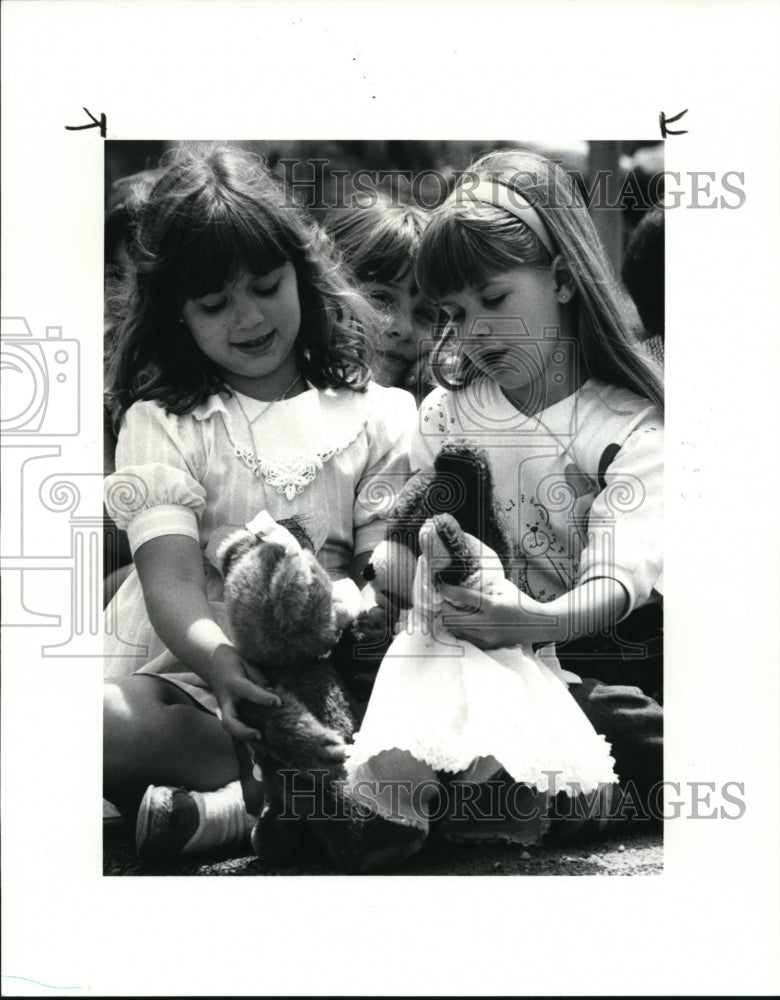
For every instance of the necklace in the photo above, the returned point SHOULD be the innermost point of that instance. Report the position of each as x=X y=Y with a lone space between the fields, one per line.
x=259 y=406
x=278 y=399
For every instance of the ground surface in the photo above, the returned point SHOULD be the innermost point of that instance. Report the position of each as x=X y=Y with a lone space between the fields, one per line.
x=634 y=851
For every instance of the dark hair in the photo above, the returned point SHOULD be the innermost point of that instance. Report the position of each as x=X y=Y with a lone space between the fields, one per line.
x=125 y=199
x=467 y=241
x=378 y=237
x=212 y=211
x=643 y=271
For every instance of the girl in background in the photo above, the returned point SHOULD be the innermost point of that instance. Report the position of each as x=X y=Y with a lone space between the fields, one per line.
x=240 y=383
x=379 y=239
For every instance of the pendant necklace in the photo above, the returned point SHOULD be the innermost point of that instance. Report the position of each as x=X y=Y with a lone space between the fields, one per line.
x=278 y=399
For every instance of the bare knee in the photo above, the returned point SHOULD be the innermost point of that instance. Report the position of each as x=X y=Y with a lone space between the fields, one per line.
x=154 y=734
x=129 y=704
x=130 y=713
x=139 y=709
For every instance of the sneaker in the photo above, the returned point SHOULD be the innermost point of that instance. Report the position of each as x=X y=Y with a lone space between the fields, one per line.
x=174 y=823
x=167 y=819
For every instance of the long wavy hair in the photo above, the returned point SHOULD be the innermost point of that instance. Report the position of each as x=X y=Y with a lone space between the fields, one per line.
x=468 y=241
x=213 y=211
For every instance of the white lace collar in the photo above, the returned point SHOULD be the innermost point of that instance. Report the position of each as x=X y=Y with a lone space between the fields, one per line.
x=291 y=439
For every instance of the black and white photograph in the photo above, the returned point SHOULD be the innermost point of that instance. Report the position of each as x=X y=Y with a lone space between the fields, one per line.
x=365 y=549
x=435 y=378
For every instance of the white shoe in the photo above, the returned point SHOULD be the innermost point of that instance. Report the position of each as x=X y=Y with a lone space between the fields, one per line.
x=174 y=823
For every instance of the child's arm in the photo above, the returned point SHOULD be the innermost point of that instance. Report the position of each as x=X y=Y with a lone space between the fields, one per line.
x=508 y=617
x=170 y=568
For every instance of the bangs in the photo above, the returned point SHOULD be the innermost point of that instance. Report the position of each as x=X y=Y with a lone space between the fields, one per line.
x=232 y=239
x=376 y=249
x=459 y=252
x=388 y=255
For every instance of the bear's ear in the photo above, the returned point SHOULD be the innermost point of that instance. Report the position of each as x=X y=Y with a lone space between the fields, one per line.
x=233 y=547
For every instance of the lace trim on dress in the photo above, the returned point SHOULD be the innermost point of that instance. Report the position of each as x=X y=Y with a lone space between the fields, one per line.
x=293 y=477
x=312 y=427
x=551 y=769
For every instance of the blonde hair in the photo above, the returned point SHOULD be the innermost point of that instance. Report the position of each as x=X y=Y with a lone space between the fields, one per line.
x=467 y=241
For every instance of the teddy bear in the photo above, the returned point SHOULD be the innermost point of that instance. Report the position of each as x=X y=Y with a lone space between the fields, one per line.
x=458 y=484
x=286 y=617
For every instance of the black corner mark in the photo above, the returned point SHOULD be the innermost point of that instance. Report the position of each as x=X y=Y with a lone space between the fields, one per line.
x=663 y=121
x=95 y=123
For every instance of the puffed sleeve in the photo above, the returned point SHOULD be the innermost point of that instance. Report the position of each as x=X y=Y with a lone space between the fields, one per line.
x=625 y=523
x=431 y=429
x=388 y=429
x=155 y=490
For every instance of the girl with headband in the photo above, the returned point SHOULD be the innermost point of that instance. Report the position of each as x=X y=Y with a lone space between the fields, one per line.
x=538 y=368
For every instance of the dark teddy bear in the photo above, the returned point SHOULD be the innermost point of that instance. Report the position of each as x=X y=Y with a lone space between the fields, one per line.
x=457 y=494
x=281 y=608
x=460 y=485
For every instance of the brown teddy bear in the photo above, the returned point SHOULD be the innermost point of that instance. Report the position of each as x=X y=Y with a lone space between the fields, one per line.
x=286 y=621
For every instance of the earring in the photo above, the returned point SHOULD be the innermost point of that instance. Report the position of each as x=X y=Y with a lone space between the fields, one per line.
x=564 y=296
x=181 y=321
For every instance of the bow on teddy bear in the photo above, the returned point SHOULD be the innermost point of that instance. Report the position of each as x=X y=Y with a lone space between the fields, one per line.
x=286 y=621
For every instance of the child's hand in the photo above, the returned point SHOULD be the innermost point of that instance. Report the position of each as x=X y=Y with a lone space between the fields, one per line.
x=234 y=680
x=503 y=617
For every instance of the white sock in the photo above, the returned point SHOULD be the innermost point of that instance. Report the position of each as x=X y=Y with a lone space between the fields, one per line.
x=224 y=821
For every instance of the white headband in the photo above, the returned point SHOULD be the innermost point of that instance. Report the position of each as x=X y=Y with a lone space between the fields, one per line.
x=491 y=191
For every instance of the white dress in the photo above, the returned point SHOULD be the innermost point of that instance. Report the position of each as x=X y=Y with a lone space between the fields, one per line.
x=335 y=458
x=442 y=704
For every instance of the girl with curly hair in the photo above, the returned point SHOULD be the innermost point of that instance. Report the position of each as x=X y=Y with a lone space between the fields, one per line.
x=240 y=384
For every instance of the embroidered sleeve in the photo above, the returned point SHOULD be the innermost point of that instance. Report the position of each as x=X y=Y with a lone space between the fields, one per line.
x=155 y=490
x=625 y=523
x=389 y=430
